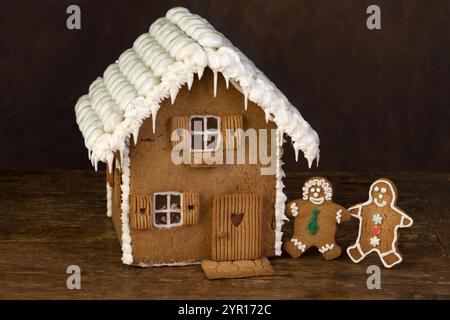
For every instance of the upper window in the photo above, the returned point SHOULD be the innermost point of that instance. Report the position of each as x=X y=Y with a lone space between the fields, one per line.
x=167 y=209
x=205 y=133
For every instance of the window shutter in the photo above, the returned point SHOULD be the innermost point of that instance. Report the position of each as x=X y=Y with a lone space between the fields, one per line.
x=178 y=123
x=191 y=208
x=233 y=122
x=141 y=211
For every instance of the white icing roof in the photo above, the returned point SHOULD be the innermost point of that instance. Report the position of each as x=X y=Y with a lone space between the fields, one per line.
x=176 y=47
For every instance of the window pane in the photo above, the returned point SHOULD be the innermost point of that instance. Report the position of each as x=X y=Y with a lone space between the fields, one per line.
x=175 y=202
x=211 y=142
x=197 y=124
x=212 y=123
x=197 y=141
x=161 y=202
x=160 y=218
x=175 y=217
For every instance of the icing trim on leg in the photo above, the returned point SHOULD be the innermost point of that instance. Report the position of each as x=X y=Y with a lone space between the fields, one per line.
x=339 y=216
x=299 y=244
x=357 y=246
x=384 y=254
x=326 y=247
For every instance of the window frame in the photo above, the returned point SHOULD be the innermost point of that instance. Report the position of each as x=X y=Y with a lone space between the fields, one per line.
x=205 y=133
x=167 y=211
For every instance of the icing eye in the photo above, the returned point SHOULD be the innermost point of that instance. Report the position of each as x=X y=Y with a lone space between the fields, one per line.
x=318 y=189
x=383 y=190
x=376 y=189
x=311 y=190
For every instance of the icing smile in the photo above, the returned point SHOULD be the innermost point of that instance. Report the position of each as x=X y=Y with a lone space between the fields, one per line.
x=317 y=201
x=380 y=204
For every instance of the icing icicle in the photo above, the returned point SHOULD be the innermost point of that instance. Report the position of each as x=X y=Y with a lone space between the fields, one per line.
x=189 y=82
x=154 y=112
x=136 y=134
x=121 y=152
x=227 y=81
x=267 y=115
x=310 y=162
x=245 y=101
x=110 y=162
x=200 y=71
x=173 y=95
x=215 y=83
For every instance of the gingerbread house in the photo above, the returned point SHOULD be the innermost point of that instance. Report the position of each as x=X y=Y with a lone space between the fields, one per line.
x=227 y=216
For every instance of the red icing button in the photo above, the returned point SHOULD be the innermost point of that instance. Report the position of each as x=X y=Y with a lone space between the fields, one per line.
x=375 y=230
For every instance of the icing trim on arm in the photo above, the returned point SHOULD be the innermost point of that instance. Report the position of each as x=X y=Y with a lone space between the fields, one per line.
x=294 y=209
x=402 y=221
x=357 y=207
x=404 y=217
x=338 y=216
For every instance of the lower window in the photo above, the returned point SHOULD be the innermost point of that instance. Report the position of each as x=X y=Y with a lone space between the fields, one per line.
x=167 y=211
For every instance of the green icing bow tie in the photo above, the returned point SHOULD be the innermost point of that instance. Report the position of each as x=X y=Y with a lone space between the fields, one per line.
x=313 y=226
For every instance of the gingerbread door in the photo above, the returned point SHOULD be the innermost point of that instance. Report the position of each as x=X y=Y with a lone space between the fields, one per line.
x=236 y=227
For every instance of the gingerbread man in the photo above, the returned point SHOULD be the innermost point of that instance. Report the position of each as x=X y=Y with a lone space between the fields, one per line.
x=379 y=220
x=316 y=216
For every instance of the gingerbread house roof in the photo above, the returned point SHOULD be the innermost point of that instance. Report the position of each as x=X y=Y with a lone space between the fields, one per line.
x=159 y=63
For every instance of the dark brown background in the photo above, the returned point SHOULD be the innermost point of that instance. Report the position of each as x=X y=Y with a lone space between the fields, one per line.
x=378 y=99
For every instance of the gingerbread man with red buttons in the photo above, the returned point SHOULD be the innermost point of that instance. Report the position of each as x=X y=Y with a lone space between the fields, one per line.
x=379 y=221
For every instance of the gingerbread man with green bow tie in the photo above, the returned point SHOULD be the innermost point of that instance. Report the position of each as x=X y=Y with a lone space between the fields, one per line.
x=316 y=217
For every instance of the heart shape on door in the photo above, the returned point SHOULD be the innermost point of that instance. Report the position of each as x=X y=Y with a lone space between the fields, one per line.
x=236 y=218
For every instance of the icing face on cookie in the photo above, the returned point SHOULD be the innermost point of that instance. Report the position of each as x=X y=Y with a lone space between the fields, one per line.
x=317 y=190
x=382 y=193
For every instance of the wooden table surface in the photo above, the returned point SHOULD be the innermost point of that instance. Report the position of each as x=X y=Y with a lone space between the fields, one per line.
x=50 y=220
